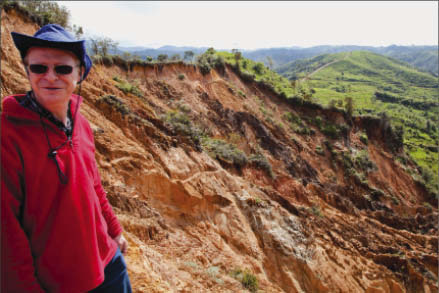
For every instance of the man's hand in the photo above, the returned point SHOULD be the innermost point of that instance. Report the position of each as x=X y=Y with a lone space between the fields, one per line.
x=122 y=242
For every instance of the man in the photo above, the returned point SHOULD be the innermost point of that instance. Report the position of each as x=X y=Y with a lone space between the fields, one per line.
x=58 y=231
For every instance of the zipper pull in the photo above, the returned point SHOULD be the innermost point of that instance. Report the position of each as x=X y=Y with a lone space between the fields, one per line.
x=70 y=141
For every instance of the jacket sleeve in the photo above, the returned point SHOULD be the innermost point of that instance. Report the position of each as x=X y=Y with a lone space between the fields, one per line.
x=17 y=263
x=114 y=227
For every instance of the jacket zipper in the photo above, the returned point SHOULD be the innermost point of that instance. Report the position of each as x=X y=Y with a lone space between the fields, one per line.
x=70 y=141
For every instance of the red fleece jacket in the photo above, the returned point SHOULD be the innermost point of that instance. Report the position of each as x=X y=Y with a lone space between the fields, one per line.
x=54 y=237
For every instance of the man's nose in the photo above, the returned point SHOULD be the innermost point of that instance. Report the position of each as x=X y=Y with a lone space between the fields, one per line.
x=51 y=74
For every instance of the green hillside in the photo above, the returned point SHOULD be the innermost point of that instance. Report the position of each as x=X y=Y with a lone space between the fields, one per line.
x=424 y=58
x=378 y=84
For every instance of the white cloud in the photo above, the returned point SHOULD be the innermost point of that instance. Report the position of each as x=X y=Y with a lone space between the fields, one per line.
x=259 y=24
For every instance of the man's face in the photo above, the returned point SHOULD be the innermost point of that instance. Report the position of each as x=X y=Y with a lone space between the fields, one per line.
x=52 y=88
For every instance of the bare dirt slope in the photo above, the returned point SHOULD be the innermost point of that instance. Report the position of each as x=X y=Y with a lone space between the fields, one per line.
x=316 y=224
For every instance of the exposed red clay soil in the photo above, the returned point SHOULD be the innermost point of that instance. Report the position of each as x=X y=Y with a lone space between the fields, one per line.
x=191 y=219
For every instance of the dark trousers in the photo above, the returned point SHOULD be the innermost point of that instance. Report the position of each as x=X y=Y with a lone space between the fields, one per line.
x=116 y=276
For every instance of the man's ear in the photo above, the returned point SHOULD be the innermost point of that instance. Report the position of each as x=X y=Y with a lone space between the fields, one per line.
x=81 y=73
x=25 y=67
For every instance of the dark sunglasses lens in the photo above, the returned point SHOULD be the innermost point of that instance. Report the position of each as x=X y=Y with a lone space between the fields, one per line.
x=60 y=69
x=38 y=68
x=63 y=69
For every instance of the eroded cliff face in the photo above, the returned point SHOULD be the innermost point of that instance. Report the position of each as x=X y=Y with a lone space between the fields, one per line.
x=313 y=225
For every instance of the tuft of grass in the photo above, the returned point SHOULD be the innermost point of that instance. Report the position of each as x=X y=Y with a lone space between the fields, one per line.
x=247 y=279
x=315 y=210
x=127 y=87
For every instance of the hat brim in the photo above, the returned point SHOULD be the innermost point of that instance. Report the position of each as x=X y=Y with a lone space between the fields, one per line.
x=25 y=42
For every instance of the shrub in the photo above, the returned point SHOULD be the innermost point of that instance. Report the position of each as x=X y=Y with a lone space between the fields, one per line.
x=181 y=76
x=318 y=121
x=364 y=139
x=119 y=61
x=107 y=60
x=181 y=124
x=362 y=161
x=315 y=210
x=116 y=103
x=376 y=194
x=162 y=57
x=320 y=151
x=42 y=12
x=330 y=130
x=209 y=60
x=328 y=145
x=258 y=68
x=241 y=93
x=126 y=87
x=203 y=65
x=183 y=107
x=218 y=62
x=223 y=151
x=292 y=118
x=250 y=282
x=304 y=130
x=297 y=124
x=260 y=161
x=247 y=279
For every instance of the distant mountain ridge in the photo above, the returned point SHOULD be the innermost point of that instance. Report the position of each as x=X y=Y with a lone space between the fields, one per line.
x=422 y=57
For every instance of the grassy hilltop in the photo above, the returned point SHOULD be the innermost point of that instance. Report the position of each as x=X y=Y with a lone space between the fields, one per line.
x=378 y=84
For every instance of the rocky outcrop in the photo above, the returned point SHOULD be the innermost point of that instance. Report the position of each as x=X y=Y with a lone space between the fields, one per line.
x=324 y=220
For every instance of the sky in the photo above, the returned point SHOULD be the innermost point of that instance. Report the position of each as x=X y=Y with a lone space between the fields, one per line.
x=258 y=24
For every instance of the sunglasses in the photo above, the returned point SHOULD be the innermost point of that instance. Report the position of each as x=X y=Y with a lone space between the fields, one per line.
x=59 y=69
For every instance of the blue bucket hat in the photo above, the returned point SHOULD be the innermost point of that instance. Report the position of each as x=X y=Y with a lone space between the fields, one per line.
x=54 y=36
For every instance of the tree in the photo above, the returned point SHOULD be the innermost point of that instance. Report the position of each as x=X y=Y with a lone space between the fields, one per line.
x=176 y=57
x=162 y=57
x=188 y=55
x=78 y=31
x=428 y=128
x=238 y=56
x=148 y=58
x=384 y=121
x=126 y=56
x=349 y=106
x=270 y=62
x=136 y=58
x=48 y=11
x=101 y=45
x=244 y=63
x=211 y=50
x=258 y=68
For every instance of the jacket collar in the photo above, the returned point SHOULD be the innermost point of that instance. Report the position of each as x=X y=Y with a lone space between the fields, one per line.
x=11 y=108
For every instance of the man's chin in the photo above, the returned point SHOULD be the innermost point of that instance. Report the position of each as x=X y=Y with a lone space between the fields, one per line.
x=52 y=96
